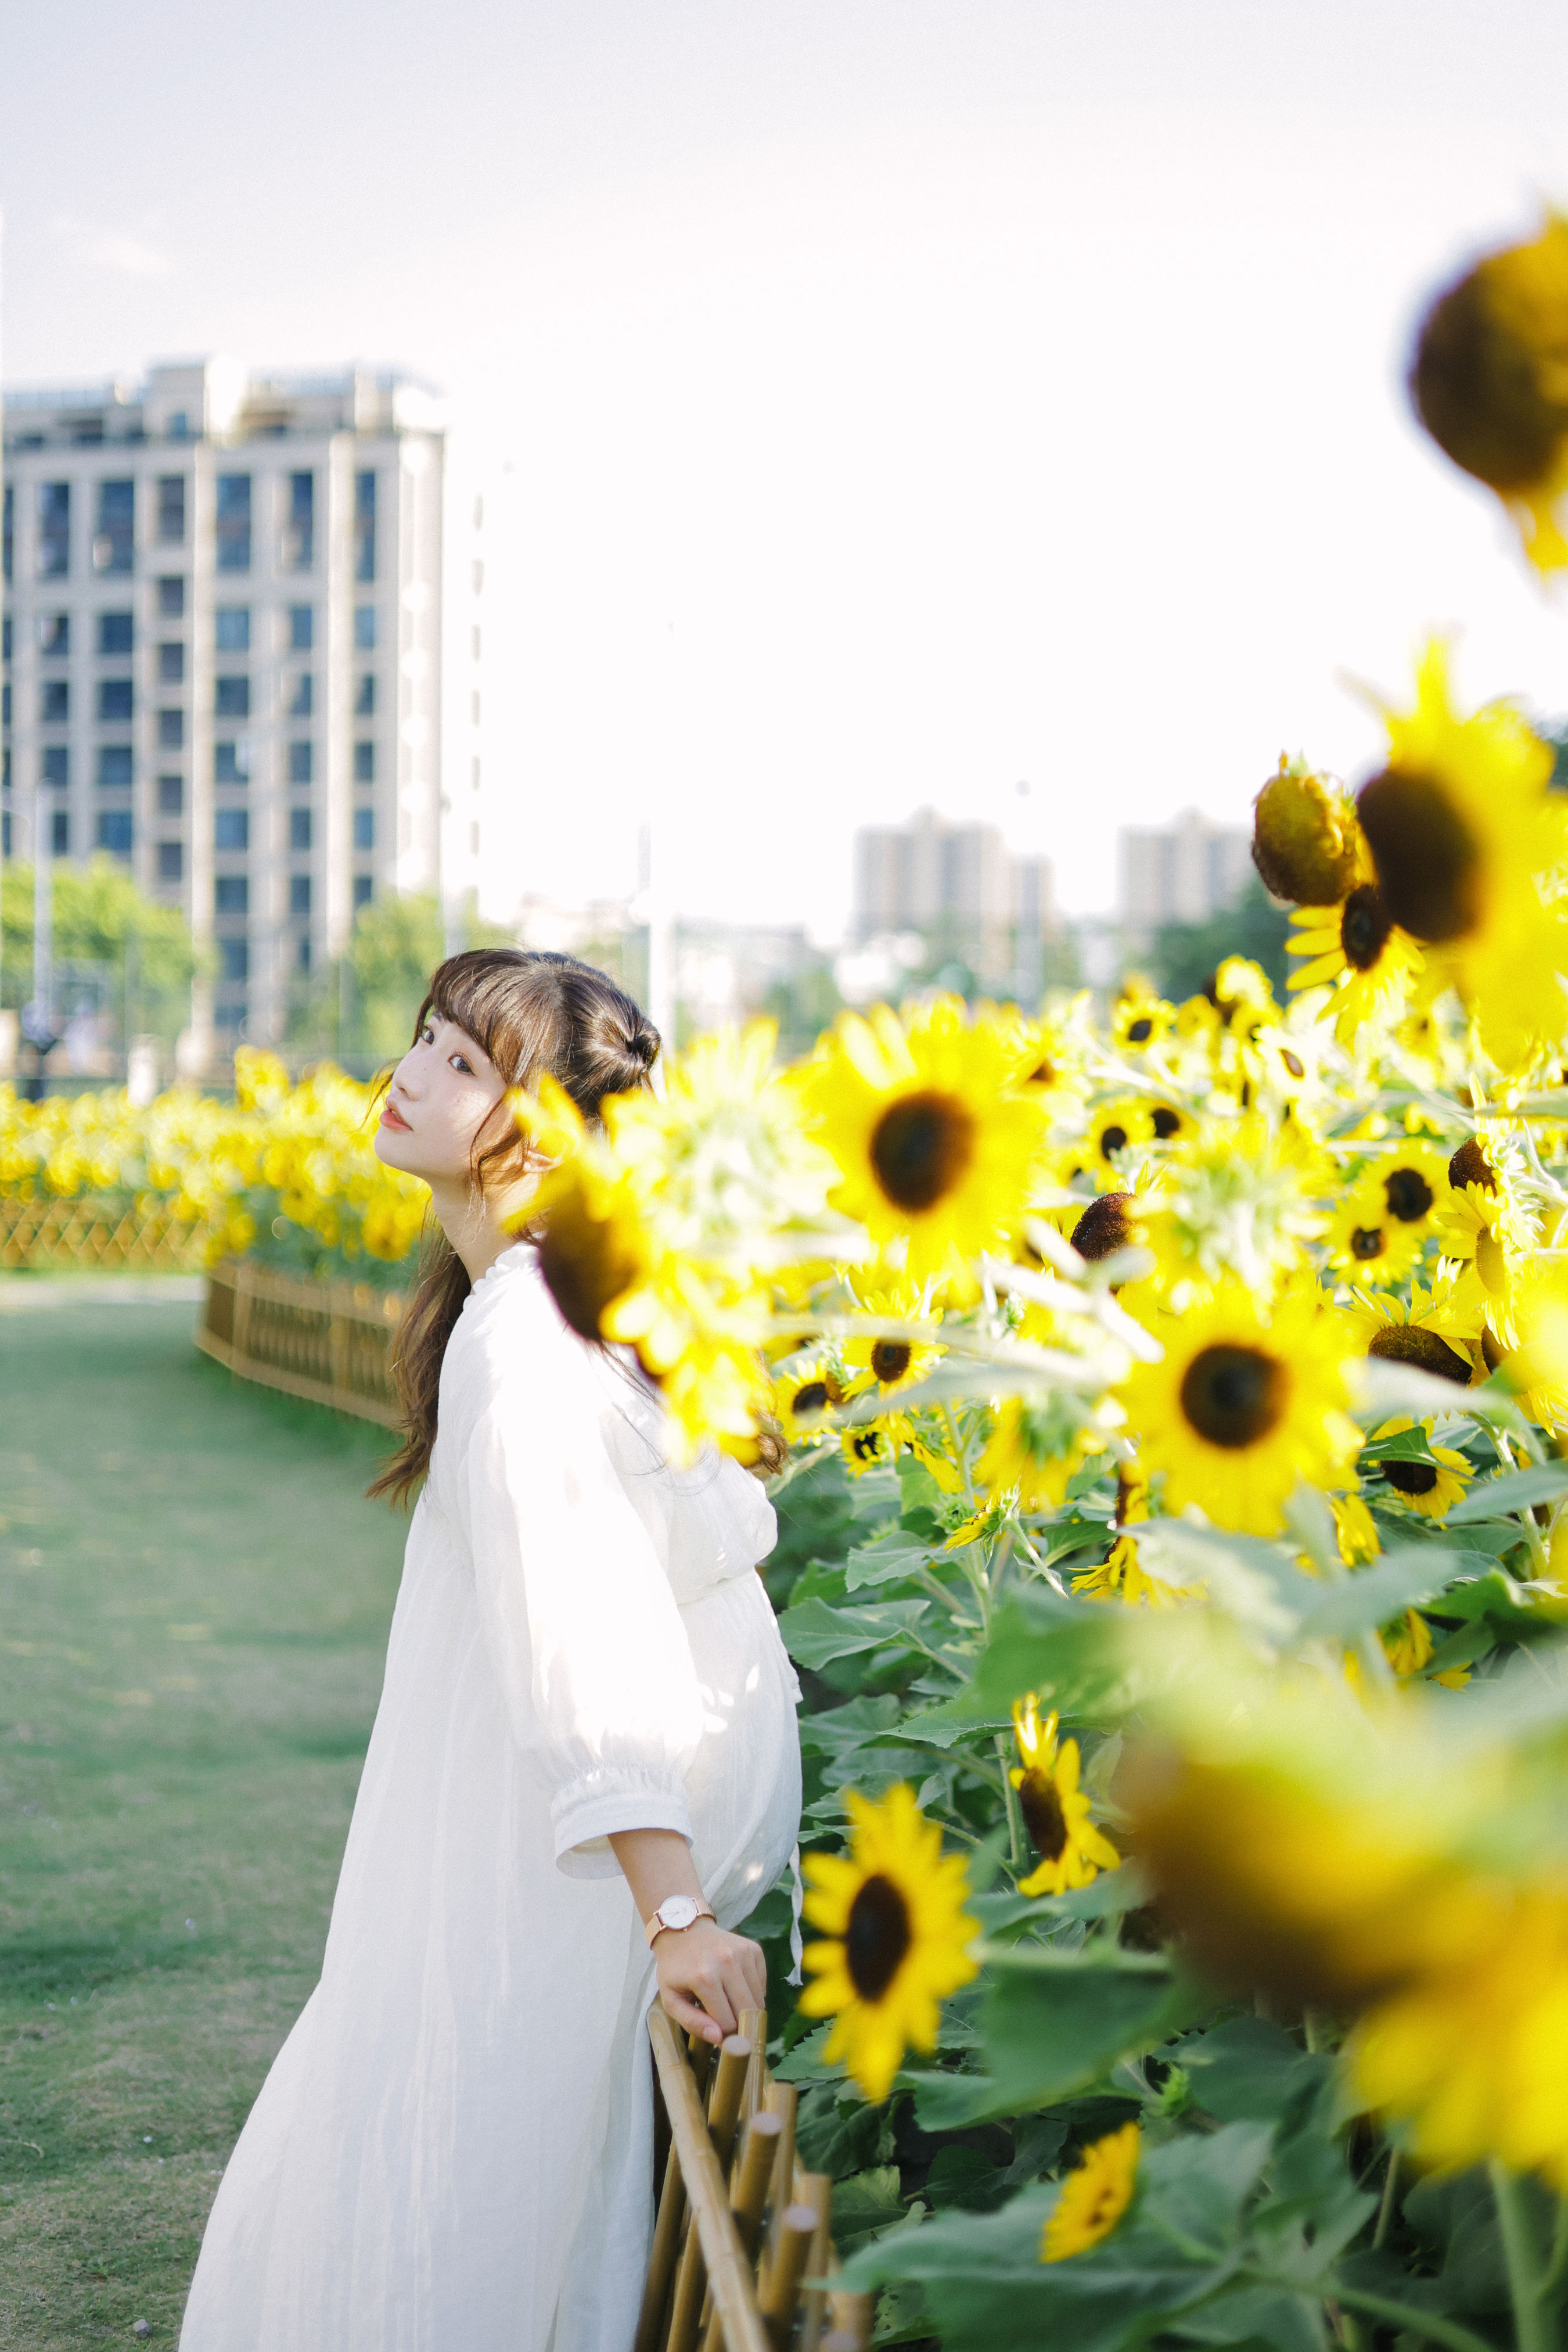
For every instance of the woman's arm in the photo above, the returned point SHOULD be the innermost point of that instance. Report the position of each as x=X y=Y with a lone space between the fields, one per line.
x=706 y=1976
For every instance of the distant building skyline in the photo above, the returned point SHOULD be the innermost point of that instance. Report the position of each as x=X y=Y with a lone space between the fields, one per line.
x=241 y=655
x=958 y=882
x=1183 y=872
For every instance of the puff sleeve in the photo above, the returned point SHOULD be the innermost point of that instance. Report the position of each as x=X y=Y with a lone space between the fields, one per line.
x=580 y=1618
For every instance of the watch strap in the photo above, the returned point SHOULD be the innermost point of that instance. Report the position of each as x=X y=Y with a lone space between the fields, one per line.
x=659 y=1925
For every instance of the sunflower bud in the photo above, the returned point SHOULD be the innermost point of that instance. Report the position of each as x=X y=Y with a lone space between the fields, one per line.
x=1306 y=841
x=588 y=1259
x=1489 y=380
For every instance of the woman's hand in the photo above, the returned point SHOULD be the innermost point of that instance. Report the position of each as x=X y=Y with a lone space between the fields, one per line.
x=707 y=1977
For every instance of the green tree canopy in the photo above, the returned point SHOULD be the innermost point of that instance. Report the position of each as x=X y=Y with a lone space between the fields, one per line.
x=396 y=945
x=101 y=917
x=1186 y=955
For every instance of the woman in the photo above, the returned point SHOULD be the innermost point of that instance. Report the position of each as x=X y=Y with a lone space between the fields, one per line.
x=587 y=1716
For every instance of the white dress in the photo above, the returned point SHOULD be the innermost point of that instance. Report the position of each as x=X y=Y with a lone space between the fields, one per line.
x=453 y=2151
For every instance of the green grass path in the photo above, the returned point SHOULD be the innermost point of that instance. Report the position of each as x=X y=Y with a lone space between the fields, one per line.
x=194 y=1609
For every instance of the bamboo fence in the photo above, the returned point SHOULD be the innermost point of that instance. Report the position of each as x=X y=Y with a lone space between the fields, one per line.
x=329 y=1342
x=96 y=1236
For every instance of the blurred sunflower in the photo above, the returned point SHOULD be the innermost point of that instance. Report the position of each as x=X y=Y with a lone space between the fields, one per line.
x=888 y=1363
x=1431 y=1486
x=1094 y=2195
x=802 y=1397
x=1035 y=1447
x=1126 y=1120
x=1357 y=950
x=931 y=1136
x=1365 y=1241
x=1462 y=822
x=1138 y=1023
x=1071 y=1850
x=1244 y=1405
x=1432 y=1330
x=1485 y=1234
x=896 y=1938
x=1415 y=1180
x=1306 y=838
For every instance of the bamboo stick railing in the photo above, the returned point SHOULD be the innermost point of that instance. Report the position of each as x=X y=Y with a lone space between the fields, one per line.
x=743 y=2252
x=329 y=1342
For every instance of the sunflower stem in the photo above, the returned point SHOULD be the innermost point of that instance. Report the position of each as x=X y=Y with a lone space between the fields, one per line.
x=1385 y=2203
x=1526 y=2282
x=1556 y=2277
x=1015 y=1810
x=1424 y=2326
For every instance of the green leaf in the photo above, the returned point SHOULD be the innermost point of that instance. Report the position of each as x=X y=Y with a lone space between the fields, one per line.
x=1501 y=1600
x=1198 y=2185
x=815 y=1633
x=1516 y=1490
x=865 y=2205
x=1249 y=2070
x=888 y=1558
x=1055 y=2022
x=1071 y=1653
x=1372 y=1595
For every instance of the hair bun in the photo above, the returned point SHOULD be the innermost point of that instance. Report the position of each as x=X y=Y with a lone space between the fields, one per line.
x=645 y=1044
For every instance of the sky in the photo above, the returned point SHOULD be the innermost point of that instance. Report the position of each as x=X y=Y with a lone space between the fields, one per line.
x=887 y=402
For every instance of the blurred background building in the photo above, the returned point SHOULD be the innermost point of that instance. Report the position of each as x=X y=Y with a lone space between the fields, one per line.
x=242 y=658
x=934 y=897
x=1185 y=872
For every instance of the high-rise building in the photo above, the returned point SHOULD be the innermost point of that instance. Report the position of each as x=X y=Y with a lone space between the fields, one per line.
x=956 y=883
x=242 y=652
x=1180 y=873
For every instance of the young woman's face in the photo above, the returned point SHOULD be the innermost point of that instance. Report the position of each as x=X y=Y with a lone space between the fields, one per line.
x=441 y=1094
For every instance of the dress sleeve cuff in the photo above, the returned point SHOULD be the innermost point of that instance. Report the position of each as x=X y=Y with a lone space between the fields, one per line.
x=585 y=1814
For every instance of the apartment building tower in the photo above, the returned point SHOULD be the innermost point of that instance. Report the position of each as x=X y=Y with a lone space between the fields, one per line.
x=959 y=883
x=1183 y=872
x=231 y=602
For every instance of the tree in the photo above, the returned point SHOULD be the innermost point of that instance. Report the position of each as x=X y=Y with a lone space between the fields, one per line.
x=396 y=945
x=1186 y=955
x=101 y=917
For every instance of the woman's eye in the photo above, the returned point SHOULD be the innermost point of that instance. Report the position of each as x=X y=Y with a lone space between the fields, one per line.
x=459 y=1064
x=428 y=1035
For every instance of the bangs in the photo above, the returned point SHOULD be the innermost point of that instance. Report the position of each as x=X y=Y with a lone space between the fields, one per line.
x=479 y=994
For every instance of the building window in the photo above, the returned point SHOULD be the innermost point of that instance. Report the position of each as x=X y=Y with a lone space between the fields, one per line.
x=55 y=702
x=6 y=637
x=53 y=529
x=116 y=632
x=301 y=628
x=364 y=628
x=170 y=795
x=60 y=835
x=233 y=625
x=234 y=954
x=5 y=704
x=114 y=542
x=234 y=523
x=114 y=700
x=301 y=699
x=304 y=947
x=365 y=828
x=299 y=828
x=473 y=841
x=231 y=829
x=365 y=697
x=231 y=896
x=301 y=765
x=171 y=861
x=364 y=525
x=364 y=763
x=171 y=665
x=9 y=502
x=473 y=641
x=114 y=764
x=300 y=536
x=114 y=832
x=172 y=508
x=232 y=698
x=53 y=635
x=299 y=894
x=5 y=848
x=364 y=890
x=474 y=707
x=170 y=730
x=171 y=600
x=231 y=763
x=474 y=773
x=477 y=577
x=55 y=768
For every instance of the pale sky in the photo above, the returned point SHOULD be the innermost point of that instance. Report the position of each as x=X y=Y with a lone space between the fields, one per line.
x=902 y=397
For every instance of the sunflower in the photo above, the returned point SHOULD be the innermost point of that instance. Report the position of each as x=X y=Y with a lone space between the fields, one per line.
x=1056 y=1811
x=1486 y=1235
x=1539 y=1368
x=1489 y=382
x=1355 y=1530
x=1243 y=1406
x=898 y=1937
x=1035 y=1447
x=932 y=1137
x=888 y=1364
x=1462 y=822
x=1306 y=839
x=1358 y=951
x=1415 y=1180
x=1236 y=1201
x=1126 y=1120
x=1432 y=1487
x=1138 y=1023
x=1121 y=1575
x=802 y=1397
x=1094 y=2196
x=1364 y=1240
x=868 y=1445
x=1435 y=1329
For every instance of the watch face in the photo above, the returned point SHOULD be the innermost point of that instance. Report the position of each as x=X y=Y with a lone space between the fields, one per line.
x=678 y=1912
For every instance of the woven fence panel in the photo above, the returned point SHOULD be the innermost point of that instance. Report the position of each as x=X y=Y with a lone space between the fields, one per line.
x=88 y=1236
x=330 y=1342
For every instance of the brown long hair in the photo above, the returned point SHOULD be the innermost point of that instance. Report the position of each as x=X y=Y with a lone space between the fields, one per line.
x=532 y=1011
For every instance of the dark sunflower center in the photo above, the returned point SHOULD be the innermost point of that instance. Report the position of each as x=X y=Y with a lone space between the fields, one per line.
x=921 y=1149
x=866 y=1444
x=1113 y=1138
x=1480 y=390
x=1168 y=1122
x=1041 y=1800
x=1293 y=1063
x=1367 y=1241
x=1408 y=1195
x=890 y=1359
x=1407 y=1343
x=1042 y=1075
x=877 y=1937
x=1411 y=1477
x=1363 y=928
x=1428 y=860
x=584 y=1266
x=1470 y=1165
x=1233 y=1396
x=812 y=1398
x=1104 y=1227
x=1139 y=1031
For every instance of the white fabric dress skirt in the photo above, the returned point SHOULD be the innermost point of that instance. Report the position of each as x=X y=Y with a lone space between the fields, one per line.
x=453 y=2151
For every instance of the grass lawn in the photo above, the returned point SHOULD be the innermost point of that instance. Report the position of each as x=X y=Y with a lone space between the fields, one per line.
x=194 y=1609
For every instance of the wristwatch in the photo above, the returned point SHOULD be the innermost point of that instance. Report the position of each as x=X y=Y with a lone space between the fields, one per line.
x=676 y=1911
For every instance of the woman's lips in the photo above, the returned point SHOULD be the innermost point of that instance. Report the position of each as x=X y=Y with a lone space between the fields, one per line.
x=391 y=1118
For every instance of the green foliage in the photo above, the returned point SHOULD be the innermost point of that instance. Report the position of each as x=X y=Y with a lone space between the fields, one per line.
x=101 y=917
x=1186 y=955
x=396 y=945
x=803 y=1006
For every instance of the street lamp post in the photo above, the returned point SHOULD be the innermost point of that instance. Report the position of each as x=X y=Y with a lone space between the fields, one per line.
x=37 y=1025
